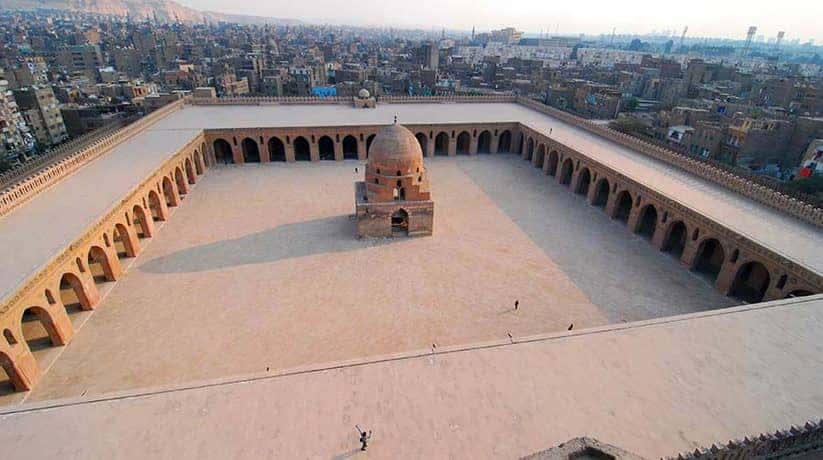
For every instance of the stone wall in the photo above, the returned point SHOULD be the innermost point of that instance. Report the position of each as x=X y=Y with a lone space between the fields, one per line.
x=796 y=441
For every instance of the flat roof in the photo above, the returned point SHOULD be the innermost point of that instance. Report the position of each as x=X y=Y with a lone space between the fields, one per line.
x=61 y=213
x=635 y=386
x=41 y=228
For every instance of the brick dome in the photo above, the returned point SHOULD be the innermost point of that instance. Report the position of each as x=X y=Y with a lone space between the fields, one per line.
x=395 y=169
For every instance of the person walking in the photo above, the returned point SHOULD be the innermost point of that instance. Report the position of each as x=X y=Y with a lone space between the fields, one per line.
x=364 y=438
x=516 y=305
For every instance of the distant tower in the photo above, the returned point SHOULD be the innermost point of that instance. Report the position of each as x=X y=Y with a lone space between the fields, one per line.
x=779 y=40
x=749 y=37
x=472 y=33
x=683 y=37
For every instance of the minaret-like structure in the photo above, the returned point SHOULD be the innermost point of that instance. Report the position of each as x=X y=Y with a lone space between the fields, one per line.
x=394 y=199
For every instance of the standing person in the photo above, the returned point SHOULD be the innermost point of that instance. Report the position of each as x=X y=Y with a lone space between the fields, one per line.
x=516 y=304
x=364 y=438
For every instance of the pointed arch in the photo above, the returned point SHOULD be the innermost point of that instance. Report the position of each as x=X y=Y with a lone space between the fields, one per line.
x=101 y=266
x=423 y=141
x=158 y=212
x=124 y=242
x=277 y=150
x=223 y=152
x=566 y=170
x=251 y=152
x=326 y=148
x=441 y=144
x=647 y=224
x=484 y=142
x=369 y=140
x=553 y=159
x=504 y=143
x=74 y=294
x=623 y=206
x=751 y=282
x=190 y=175
x=464 y=140
x=709 y=258
x=302 y=151
x=350 y=147
x=169 y=193
x=182 y=186
x=584 y=179
x=141 y=222
x=601 y=193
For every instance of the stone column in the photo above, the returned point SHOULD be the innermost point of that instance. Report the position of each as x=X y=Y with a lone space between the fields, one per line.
x=634 y=217
x=659 y=234
x=494 y=144
x=314 y=152
x=23 y=370
x=133 y=248
x=289 y=152
x=473 y=146
x=726 y=276
x=114 y=264
x=689 y=252
x=452 y=146
x=58 y=324
x=361 y=150
x=611 y=203
x=429 y=148
x=265 y=155
x=237 y=154
x=338 y=151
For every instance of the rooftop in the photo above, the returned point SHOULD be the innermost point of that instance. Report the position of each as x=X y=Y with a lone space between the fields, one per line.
x=746 y=370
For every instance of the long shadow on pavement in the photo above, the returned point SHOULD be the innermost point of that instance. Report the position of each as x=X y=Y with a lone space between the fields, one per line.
x=299 y=239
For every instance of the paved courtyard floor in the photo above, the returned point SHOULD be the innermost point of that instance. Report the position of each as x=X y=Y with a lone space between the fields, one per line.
x=259 y=269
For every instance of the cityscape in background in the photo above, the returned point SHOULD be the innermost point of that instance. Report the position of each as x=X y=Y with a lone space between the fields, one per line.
x=753 y=104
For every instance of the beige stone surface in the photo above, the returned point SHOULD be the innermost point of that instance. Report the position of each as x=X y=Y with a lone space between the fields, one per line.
x=260 y=268
x=652 y=388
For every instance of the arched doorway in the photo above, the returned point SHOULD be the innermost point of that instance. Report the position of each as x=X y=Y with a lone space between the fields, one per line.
x=326 y=147
x=566 y=170
x=169 y=193
x=601 y=194
x=751 y=282
x=505 y=142
x=302 y=152
x=222 y=152
x=349 y=148
x=123 y=242
x=484 y=142
x=251 y=153
x=368 y=144
x=182 y=186
x=675 y=241
x=155 y=207
x=73 y=294
x=100 y=266
x=709 y=259
x=39 y=330
x=441 y=144
x=277 y=150
x=141 y=222
x=553 y=158
x=464 y=141
x=423 y=141
x=624 y=206
x=541 y=155
x=648 y=222
x=584 y=179
x=400 y=222
x=190 y=176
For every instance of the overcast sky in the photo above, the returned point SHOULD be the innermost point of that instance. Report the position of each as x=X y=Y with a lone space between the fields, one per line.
x=801 y=19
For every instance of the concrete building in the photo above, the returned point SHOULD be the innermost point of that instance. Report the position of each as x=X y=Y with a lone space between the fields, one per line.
x=81 y=60
x=16 y=138
x=42 y=113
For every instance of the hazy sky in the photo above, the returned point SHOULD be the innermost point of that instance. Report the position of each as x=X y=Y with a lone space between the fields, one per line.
x=719 y=18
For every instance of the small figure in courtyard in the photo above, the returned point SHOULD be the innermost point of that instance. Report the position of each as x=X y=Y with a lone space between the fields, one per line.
x=364 y=438
x=550 y=131
x=571 y=326
x=516 y=304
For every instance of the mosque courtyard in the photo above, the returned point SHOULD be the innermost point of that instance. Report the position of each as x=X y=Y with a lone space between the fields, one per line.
x=260 y=269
